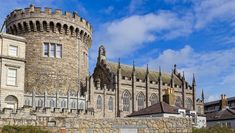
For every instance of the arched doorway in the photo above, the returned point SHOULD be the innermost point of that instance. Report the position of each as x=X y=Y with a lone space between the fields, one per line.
x=11 y=102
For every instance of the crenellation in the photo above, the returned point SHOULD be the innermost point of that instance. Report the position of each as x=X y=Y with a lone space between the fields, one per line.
x=38 y=10
x=68 y=14
x=58 y=12
x=48 y=10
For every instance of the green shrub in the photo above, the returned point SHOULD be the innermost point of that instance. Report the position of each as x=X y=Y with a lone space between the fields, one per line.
x=214 y=129
x=23 y=129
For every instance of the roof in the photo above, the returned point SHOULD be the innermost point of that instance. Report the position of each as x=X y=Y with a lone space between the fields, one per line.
x=224 y=114
x=158 y=108
x=126 y=70
x=218 y=101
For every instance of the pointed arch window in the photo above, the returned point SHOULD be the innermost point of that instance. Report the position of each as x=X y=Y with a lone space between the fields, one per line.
x=73 y=105
x=81 y=105
x=63 y=104
x=52 y=103
x=40 y=103
x=140 y=101
x=178 y=101
x=99 y=102
x=154 y=99
x=126 y=101
x=189 y=103
x=110 y=104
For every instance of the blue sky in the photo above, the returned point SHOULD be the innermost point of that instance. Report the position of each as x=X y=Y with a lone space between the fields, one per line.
x=197 y=35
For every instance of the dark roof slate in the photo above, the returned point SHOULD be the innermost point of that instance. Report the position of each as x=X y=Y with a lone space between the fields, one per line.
x=223 y=114
x=158 y=108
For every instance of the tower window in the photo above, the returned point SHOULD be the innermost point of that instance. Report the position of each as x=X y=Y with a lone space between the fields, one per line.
x=46 y=49
x=58 y=50
x=11 y=76
x=13 y=50
x=52 y=50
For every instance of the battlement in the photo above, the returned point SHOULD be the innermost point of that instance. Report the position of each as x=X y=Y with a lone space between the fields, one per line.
x=34 y=19
x=48 y=11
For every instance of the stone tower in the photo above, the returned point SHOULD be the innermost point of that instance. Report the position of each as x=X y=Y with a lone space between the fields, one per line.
x=56 y=50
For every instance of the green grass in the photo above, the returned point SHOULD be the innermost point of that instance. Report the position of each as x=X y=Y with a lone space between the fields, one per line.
x=23 y=129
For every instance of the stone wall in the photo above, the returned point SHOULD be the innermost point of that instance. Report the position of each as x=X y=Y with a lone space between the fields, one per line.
x=69 y=30
x=82 y=122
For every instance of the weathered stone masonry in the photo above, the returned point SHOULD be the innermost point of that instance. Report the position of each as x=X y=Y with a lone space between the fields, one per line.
x=69 y=30
x=77 y=122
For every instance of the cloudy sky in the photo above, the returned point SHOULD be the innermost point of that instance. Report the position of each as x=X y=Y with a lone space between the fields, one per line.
x=197 y=35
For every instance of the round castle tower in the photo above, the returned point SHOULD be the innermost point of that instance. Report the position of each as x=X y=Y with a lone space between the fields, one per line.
x=56 y=50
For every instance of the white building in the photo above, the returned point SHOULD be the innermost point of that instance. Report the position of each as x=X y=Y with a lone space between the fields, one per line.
x=12 y=53
x=167 y=108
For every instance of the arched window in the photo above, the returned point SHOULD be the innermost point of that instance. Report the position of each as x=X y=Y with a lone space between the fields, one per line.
x=178 y=101
x=31 y=25
x=71 y=30
x=189 y=103
x=52 y=103
x=110 y=103
x=25 y=27
x=199 y=110
x=11 y=102
x=65 y=27
x=40 y=103
x=126 y=101
x=44 y=24
x=20 y=27
x=82 y=105
x=58 y=27
x=140 y=101
x=52 y=27
x=63 y=104
x=73 y=105
x=99 y=102
x=38 y=26
x=153 y=99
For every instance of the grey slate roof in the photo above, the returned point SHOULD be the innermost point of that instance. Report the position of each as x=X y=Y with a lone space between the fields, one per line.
x=224 y=114
x=158 y=108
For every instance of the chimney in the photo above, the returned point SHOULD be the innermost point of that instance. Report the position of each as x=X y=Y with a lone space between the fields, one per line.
x=223 y=102
x=169 y=96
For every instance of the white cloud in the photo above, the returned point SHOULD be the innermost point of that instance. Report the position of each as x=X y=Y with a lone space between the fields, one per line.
x=210 y=67
x=207 y=11
x=126 y=35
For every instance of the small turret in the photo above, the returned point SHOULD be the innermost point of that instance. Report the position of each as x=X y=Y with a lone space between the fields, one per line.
x=119 y=63
x=194 y=81
x=183 y=78
x=160 y=74
x=202 y=96
x=172 y=79
x=175 y=69
x=133 y=68
x=147 y=70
